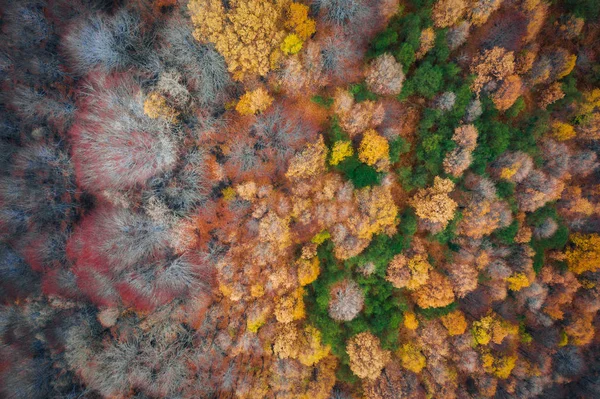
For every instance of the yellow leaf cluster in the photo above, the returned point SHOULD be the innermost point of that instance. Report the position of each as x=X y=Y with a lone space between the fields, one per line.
x=455 y=322
x=447 y=12
x=584 y=255
x=302 y=344
x=321 y=237
x=411 y=357
x=434 y=204
x=247 y=34
x=340 y=151
x=310 y=162
x=379 y=212
x=308 y=270
x=374 y=150
x=567 y=67
x=492 y=328
x=290 y=307
x=292 y=44
x=254 y=101
x=257 y=290
x=419 y=271
x=517 y=281
x=408 y=273
x=254 y=322
x=427 y=40
x=155 y=106
x=591 y=100
x=367 y=359
x=299 y=22
x=501 y=367
x=562 y=131
x=228 y=193
x=410 y=321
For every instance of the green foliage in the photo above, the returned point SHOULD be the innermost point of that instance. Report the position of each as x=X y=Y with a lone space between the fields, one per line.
x=556 y=242
x=507 y=235
x=432 y=313
x=335 y=132
x=412 y=178
x=516 y=108
x=361 y=93
x=426 y=81
x=382 y=42
x=405 y=56
x=505 y=189
x=398 y=146
x=322 y=101
x=360 y=174
x=586 y=9
x=449 y=233
x=494 y=138
x=382 y=313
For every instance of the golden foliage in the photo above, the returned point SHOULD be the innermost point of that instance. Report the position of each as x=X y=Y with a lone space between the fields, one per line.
x=299 y=22
x=411 y=357
x=434 y=204
x=562 y=131
x=492 y=328
x=584 y=254
x=367 y=359
x=492 y=64
x=378 y=211
x=310 y=162
x=256 y=321
x=408 y=273
x=447 y=12
x=567 y=66
x=455 y=322
x=481 y=10
x=340 y=151
x=290 y=307
x=155 y=106
x=308 y=270
x=374 y=150
x=247 y=34
x=501 y=367
x=518 y=281
x=435 y=293
x=254 y=101
x=292 y=44
x=410 y=321
x=274 y=230
x=302 y=344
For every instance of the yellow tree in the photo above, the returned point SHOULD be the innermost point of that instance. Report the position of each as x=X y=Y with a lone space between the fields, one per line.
x=433 y=204
x=584 y=254
x=447 y=12
x=248 y=34
x=310 y=162
x=254 y=101
x=374 y=150
x=367 y=359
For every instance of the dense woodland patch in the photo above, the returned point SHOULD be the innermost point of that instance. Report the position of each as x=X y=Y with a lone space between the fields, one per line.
x=315 y=199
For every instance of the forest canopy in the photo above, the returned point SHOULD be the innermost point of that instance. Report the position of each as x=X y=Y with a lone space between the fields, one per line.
x=310 y=199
